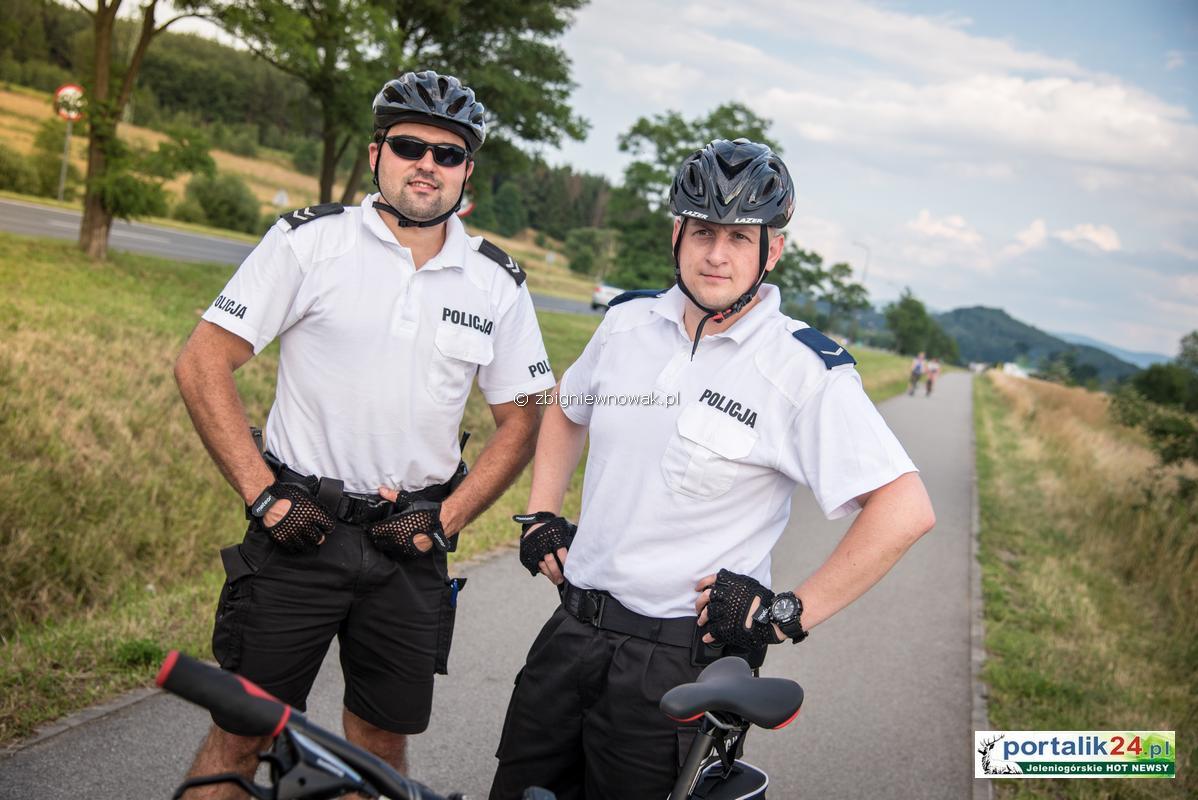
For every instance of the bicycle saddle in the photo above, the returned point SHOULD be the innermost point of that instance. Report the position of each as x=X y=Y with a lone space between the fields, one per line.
x=729 y=685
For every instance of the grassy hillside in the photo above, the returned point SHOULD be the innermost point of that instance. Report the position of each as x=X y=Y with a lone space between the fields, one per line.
x=23 y=110
x=1088 y=555
x=114 y=513
x=991 y=335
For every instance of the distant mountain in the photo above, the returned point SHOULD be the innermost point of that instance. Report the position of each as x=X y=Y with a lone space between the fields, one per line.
x=1141 y=360
x=991 y=335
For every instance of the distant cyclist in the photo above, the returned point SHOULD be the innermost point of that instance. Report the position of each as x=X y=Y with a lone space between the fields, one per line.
x=918 y=366
x=933 y=375
x=683 y=503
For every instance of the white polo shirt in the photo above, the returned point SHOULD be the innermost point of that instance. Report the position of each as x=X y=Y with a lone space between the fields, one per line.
x=675 y=492
x=376 y=357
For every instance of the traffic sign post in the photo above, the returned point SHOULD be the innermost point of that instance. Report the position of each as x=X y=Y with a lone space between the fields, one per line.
x=68 y=102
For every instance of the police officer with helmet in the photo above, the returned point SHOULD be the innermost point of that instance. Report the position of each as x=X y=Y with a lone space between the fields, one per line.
x=386 y=314
x=669 y=565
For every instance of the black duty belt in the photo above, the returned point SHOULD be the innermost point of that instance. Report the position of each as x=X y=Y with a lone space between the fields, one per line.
x=353 y=508
x=593 y=607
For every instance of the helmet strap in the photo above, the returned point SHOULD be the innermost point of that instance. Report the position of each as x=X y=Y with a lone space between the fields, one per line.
x=741 y=302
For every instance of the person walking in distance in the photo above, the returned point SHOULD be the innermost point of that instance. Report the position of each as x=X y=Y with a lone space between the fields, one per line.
x=386 y=314
x=933 y=375
x=917 y=369
x=669 y=565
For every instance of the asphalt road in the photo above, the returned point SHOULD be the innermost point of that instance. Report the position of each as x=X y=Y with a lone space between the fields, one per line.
x=887 y=681
x=142 y=237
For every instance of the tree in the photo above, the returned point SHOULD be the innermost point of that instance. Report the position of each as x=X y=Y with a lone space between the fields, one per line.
x=106 y=155
x=661 y=143
x=510 y=214
x=343 y=50
x=916 y=331
x=1188 y=357
x=591 y=250
x=1168 y=385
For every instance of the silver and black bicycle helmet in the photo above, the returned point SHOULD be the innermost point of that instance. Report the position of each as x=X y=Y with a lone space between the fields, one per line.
x=432 y=99
x=736 y=182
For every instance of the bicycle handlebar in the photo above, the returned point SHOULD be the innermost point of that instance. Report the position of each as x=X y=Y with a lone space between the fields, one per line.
x=252 y=710
x=257 y=713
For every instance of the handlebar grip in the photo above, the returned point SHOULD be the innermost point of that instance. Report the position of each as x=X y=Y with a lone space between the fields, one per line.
x=245 y=707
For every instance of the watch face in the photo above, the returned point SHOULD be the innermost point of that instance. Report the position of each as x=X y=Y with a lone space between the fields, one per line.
x=783 y=609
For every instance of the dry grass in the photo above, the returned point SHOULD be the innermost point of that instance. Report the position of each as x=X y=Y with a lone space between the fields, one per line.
x=1089 y=585
x=22 y=112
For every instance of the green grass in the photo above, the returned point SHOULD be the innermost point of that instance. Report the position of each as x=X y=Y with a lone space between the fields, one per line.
x=1079 y=635
x=114 y=514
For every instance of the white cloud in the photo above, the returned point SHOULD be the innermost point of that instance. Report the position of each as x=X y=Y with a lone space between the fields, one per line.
x=1103 y=237
x=1075 y=121
x=1178 y=249
x=937 y=46
x=1029 y=238
x=953 y=227
x=1174 y=59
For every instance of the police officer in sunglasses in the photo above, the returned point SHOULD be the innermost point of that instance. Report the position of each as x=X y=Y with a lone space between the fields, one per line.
x=386 y=314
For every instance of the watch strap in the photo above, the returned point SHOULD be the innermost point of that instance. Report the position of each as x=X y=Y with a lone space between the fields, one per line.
x=793 y=628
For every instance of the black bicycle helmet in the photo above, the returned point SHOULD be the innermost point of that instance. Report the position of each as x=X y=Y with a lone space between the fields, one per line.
x=432 y=99
x=735 y=182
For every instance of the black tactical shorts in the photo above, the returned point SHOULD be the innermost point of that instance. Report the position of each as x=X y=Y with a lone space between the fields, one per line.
x=279 y=611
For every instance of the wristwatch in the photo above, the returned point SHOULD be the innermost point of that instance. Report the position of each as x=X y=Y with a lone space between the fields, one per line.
x=262 y=503
x=786 y=612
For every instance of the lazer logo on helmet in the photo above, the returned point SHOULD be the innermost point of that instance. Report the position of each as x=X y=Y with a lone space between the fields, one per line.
x=686 y=212
x=230 y=306
x=480 y=324
x=730 y=407
x=748 y=221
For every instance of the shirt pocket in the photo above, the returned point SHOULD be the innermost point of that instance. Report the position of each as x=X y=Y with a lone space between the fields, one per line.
x=704 y=454
x=458 y=352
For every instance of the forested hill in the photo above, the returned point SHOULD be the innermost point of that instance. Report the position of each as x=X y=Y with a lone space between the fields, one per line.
x=992 y=335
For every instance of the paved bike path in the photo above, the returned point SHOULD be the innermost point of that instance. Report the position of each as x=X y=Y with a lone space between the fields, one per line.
x=888 y=708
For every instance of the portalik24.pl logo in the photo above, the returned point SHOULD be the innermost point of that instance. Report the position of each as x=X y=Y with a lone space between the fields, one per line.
x=1075 y=754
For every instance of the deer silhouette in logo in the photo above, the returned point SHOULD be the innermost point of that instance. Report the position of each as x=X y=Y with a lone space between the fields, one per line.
x=988 y=767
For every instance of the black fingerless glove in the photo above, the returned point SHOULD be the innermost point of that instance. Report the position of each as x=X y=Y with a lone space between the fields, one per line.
x=556 y=532
x=304 y=524
x=395 y=535
x=731 y=598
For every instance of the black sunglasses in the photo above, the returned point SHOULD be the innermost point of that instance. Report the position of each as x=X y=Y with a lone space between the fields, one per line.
x=413 y=149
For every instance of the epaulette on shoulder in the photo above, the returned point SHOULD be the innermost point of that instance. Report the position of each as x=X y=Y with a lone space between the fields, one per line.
x=496 y=254
x=833 y=354
x=634 y=294
x=302 y=215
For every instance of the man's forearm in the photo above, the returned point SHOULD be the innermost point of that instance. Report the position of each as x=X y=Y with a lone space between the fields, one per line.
x=211 y=398
x=559 y=448
x=506 y=453
x=890 y=521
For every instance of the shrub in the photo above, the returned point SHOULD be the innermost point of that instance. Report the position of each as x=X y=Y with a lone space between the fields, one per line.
x=224 y=200
x=16 y=173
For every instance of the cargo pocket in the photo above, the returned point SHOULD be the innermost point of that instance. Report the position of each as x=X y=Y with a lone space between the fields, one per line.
x=445 y=620
x=507 y=717
x=458 y=354
x=232 y=608
x=701 y=458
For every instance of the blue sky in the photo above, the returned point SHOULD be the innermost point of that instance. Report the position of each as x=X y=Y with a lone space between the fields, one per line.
x=1040 y=157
